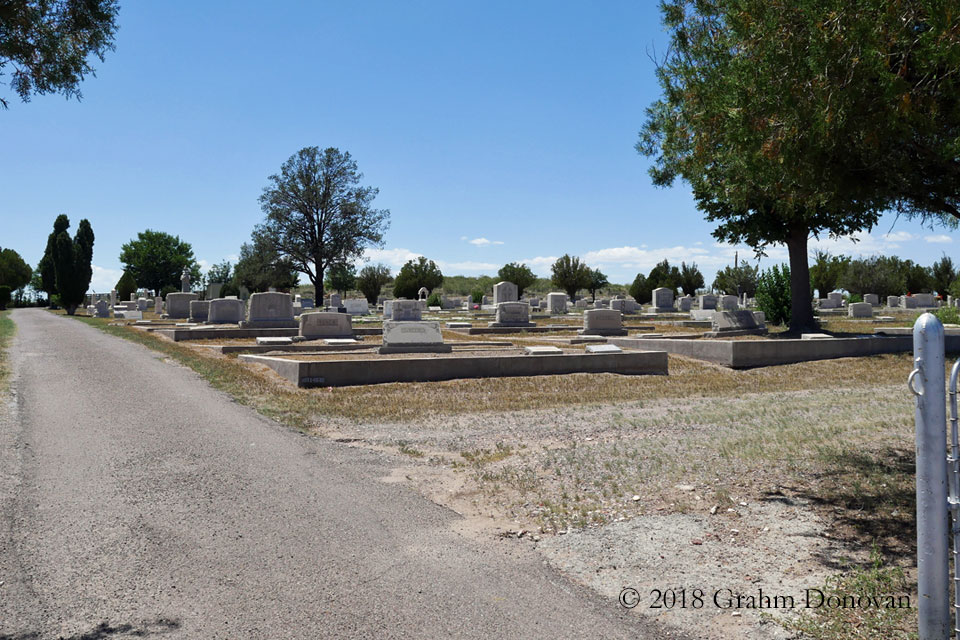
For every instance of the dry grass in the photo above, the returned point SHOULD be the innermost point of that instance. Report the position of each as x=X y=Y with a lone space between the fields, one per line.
x=7 y=329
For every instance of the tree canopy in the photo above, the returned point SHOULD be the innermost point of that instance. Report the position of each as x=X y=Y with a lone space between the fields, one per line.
x=570 y=274
x=318 y=214
x=827 y=271
x=370 y=281
x=341 y=277
x=414 y=275
x=261 y=266
x=14 y=272
x=49 y=43
x=73 y=265
x=736 y=281
x=792 y=119
x=519 y=274
x=691 y=280
x=156 y=260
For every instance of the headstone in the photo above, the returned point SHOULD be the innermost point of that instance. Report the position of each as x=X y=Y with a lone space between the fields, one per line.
x=837 y=297
x=740 y=320
x=185 y=281
x=102 y=309
x=504 y=292
x=199 y=309
x=860 y=310
x=244 y=293
x=535 y=303
x=406 y=311
x=541 y=351
x=178 y=304
x=728 y=303
x=663 y=299
x=707 y=301
x=423 y=293
x=306 y=303
x=213 y=290
x=872 y=299
x=618 y=305
x=893 y=301
x=225 y=311
x=602 y=322
x=685 y=303
x=274 y=340
x=334 y=301
x=828 y=303
x=908 y=302
x=270 y=310
x=580 y=304
x=512 y=314
x=142 y=304
x=557 y=302
x=356 y=306
x=603 y=348
x=158 y=305
x=133 y=297
x=413 y=337
x=113 y=298
x=325 y=324
x=925 y=300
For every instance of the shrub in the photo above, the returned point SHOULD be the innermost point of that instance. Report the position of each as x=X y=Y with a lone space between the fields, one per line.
x=947 y=315
x=477 y=296
x=125 y=286
x=4 y=296
x=168 y=290
x=434 y=300
x=773 y=294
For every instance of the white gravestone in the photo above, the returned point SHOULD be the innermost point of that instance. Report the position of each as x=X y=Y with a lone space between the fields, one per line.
x=270 y=311
x=837 y=297
x=102 y=309
x=504 y=292
x=356 y=306
x=728 y=303
x=893 y=301
x=158 y=305
x=618 y=305
x=707 y=301
x=685 y=303
x=602 y=322
x=663 y=299
x=334 y=301
x=872 y=299
x=406 y=311
x=113 y=298
x=557 y=302
x=225 y=311
x=185 y=282
x=860 y=310
x=413 y=337
x=199 y=309
x=325 y=324
x=178 y=304
x=512 y=314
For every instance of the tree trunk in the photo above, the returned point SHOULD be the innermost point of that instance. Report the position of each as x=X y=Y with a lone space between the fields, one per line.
x=801 y=307
x=70 y=309
x=317 y=283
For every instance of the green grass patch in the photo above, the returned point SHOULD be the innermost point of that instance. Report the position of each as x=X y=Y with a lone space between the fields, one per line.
x=7 y=330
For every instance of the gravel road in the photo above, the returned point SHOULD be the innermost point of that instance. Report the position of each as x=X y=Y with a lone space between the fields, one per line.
x=138 y=501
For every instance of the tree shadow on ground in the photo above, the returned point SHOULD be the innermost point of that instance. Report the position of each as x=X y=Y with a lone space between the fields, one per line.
x=105 y=630
x=867 y=495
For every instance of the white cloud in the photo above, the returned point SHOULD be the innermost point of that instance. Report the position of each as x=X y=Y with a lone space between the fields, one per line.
x=103 y=280
x=233 y=258
x=451 y=267
x=539 y=265
x=939 y=239
x=482 y=242
x=204 y=265
x=391 y=257
x=897 y=236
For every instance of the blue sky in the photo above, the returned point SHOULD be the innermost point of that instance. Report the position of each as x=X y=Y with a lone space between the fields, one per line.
x=496 y=132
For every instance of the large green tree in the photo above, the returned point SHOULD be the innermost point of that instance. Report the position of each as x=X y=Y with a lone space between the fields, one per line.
x=598 y=280
x=49 y=43
x=691 y=279
x=73 y=265
x=826 y=271
x=261 y=266
x=736 y=281
x=14 y=272
x=414 y=275
x=942 y=275
x=809 y=117
x=664 y=275
x=519 y=274
x=48 y=275
x=370 y=281
x=341 y=277
x=883 y=275
x=570 y=274
x=318 y=214
x=157 y=259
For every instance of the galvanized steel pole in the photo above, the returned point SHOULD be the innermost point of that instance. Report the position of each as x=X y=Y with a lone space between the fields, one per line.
x=927 y=381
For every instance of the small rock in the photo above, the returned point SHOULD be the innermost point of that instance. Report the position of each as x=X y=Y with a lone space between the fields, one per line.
x=685 y=487
x=743 y=504
x=636 y=498
x=696 y=541
x=713 y=509
x=735 y=614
